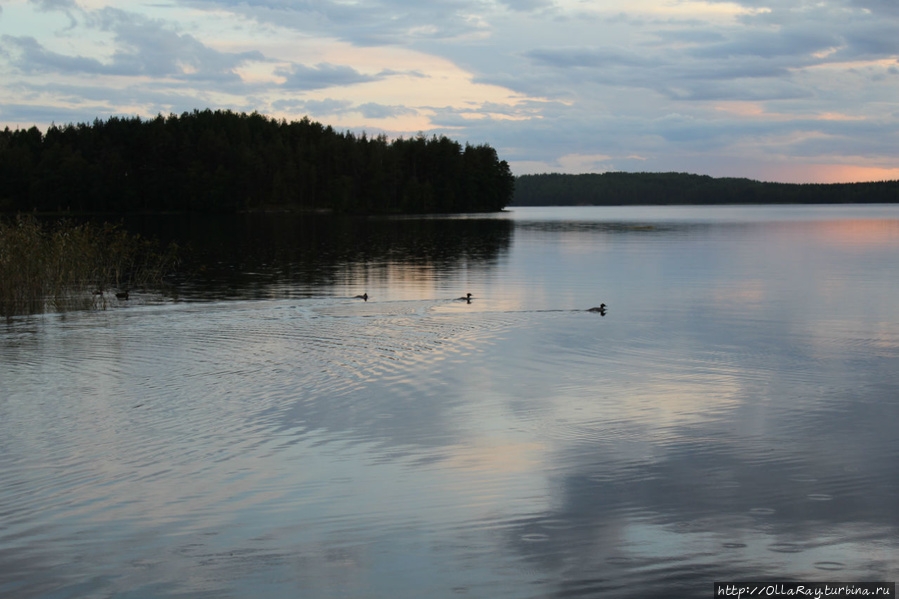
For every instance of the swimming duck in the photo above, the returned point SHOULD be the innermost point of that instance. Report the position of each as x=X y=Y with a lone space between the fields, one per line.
x=467 y=298
x=601 y=309
x=363 y=297
x=122 y=295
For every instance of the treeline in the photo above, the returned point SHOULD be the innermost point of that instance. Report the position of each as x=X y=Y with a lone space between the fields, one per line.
x=221 y=161
x=616 y=189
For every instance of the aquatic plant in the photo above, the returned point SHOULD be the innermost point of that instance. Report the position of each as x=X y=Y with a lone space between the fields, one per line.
x=67 y=265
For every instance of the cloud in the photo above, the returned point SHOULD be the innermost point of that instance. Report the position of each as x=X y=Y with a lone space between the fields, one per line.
x=374 y=22
x=799 y=43
x=49 y=5
x=527 y=5
x=588 y=57
x=858 y=29
x=704 y=87
x=34 y=58
x=878 y=7
x=149 y=46
x=143 y=47
x=871 y=40
x=328 y=106
x=301 y=77
x=371 y=110
x=67 y=7
x=687 y=37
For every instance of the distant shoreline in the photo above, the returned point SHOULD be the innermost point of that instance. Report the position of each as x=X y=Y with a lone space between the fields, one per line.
x=667 y=189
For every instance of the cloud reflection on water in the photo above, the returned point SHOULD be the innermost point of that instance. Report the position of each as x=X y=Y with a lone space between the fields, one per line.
x=731 y=416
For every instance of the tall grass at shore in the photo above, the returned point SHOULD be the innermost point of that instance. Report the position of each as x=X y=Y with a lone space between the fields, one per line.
x=67 y=266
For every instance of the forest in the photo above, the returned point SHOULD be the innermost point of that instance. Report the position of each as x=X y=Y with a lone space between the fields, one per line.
x=617 y=189
x=222 y=161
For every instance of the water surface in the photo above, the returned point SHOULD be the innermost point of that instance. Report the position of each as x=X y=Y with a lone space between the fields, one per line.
x=732 y=416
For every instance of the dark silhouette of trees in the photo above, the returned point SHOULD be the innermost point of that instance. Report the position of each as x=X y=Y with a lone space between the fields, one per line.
x=617 y=189
x=221 y=161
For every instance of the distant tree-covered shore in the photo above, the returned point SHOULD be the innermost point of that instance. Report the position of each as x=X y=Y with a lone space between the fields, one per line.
x=617 y=189
x=222 y=161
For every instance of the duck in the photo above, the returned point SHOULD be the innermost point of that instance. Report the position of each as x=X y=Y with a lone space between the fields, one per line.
x=122 y=295
x=601 y=309
x=363 y=297
x=467 y=298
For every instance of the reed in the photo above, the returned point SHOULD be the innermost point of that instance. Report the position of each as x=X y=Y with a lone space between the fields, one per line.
x=67 y=266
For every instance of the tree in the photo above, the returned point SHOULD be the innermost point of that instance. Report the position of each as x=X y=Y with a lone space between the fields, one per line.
x=212 y=161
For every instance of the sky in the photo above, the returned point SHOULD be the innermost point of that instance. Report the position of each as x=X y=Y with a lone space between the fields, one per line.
x=776 y=90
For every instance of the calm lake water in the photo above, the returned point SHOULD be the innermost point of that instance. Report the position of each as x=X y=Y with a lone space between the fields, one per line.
x=262 y=433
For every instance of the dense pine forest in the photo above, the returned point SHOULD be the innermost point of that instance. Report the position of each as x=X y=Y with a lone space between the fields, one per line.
x=221 y=161
x=617 y=189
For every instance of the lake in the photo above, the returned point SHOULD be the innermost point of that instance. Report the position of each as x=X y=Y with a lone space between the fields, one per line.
x=261 y=432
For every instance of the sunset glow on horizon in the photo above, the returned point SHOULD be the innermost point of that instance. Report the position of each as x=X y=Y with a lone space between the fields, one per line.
x=832 y=173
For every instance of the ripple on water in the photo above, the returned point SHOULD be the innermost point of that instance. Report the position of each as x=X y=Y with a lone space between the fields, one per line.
x=785 y=548
x=819 y=496
x=557 y=524
x=734 y=545
x=286 y=422
x=803 y=479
